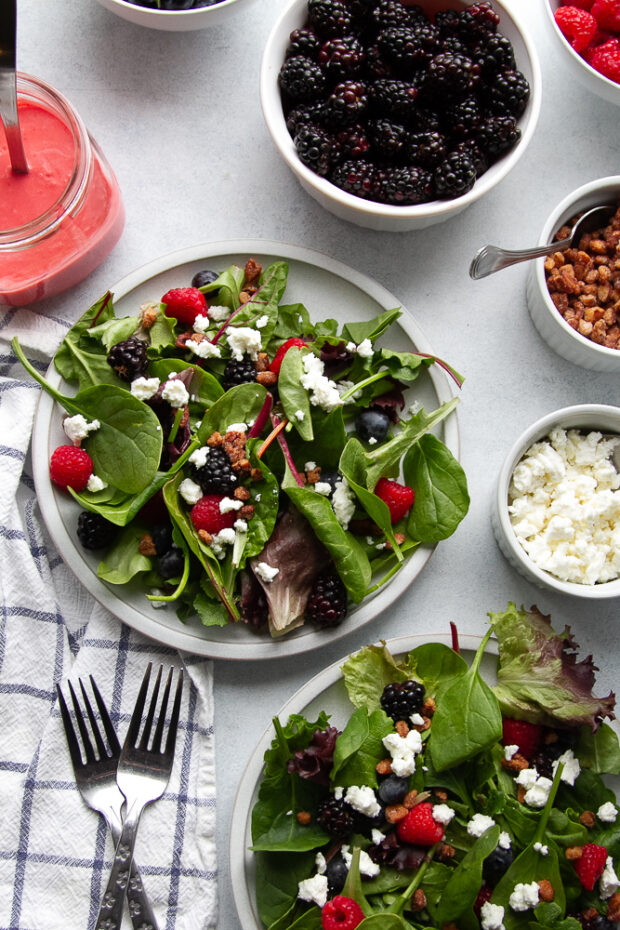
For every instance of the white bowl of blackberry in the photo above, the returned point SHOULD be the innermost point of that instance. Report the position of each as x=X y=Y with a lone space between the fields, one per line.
x=174 y=15
x=394 y=115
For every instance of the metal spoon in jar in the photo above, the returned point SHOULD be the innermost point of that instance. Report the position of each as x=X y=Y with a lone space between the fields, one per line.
x=8 y=88
x=490 y=258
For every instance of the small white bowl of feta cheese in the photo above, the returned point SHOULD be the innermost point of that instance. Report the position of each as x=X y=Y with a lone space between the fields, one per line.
x=556 y=514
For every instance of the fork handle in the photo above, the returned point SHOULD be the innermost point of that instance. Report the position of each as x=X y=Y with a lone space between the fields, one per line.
x=140 y=909
x=110 y=914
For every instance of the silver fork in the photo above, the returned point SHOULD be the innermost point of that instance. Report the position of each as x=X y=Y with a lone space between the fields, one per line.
x=96 y=780
x=142 y=775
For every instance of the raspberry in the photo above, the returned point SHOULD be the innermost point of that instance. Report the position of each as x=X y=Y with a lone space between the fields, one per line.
x=580 y=4
x=341 y=914
x=185 y=304
x=71 y=467
x=589 y=867
x=398 y=497
x=419 y=828
x=276 y=365
x=206 y=514
x=527 y=736
x=607 y=14
x=606 y=60
x=577 y=26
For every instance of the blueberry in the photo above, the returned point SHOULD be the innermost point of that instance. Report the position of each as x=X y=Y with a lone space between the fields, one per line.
x=496 y=864
x=393 y=789
x=202 y=278
x=162 y=537
x=372 y=424
x=336 y=872
x=171 y=563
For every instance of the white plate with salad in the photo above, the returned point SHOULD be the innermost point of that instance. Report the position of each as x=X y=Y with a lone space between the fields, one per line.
x=348 y=320
x=475 y=823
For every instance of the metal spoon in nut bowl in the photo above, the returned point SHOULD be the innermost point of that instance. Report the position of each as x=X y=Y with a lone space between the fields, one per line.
x=490 y=258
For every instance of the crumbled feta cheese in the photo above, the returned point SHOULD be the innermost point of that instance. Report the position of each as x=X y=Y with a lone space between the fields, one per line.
x=262 y=321
x=199 y=456
x=608 y=883
x=403 y=750
x=367 y=866
x=417 y=720
x=309 y=466
x=227 y=504
x=144 y=388
x=77 y=427
x=323 y=392
x=372 y=440
x=491 y=916
x=541 y=848
x=527 y=777
x=571 y=767
x=415 y=407
x=225 y=537
x=218 y=313
x=175 y=393
x=351 y=347
x=313 y=890
x=509 y=751
x=204 y=348
x=504 y=840
x=323 y=487
x=237 y=428
x=538 y=795
x=362 y=798
x=343 y=387
x=265 y=572
x=442 y=813
x=299 y=415
x=321 y=863
x=338 y=793
x=95 y=483
x=257 y=497
x=201 y=323
x=365 y=349
x=243 y=340
x=343 y=502
x=479 y=824
x=524 y=896
x=190 y=491
x=376 y=836
x=607 y=812
x=241 y=526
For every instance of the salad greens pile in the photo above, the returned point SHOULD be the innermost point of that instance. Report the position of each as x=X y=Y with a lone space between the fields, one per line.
x=142 y=450
x=496 y=837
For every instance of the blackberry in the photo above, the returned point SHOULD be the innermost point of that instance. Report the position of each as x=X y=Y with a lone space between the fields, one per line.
x=171 y=563
x=372 y=424
x=303 y=42
x=454 y=176
x=128 y=358
x=316 y=149
x=346 y=104
x=335 y=817
x=202 y=278
x=407 y=185
x=471 y=148
x=387 y=138
x=496 y=134
x=341 y=58
x=496 y=864
x=162 y=537
x=301 y=79
x=238 y=372
x=393 y=789
x=409 y=48
x=508 y=94
x=462 y=118
x=327 y=604
x=426 y=121
x=303 y=114
x=390 y=13
x=216 y=476
x=336 y=871
x=393 y=99
x=454 y=45
x=427 y=149
x=94 y=531
x=330 y=17
x=401 y=700
x=494 y=55
x=448 y=23
x=376 y=65
x=448 y=75
x=355 y=176
x=353 y=142
x=477 y=22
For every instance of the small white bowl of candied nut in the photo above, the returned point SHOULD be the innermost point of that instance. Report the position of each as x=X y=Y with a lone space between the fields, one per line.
x=574 y=296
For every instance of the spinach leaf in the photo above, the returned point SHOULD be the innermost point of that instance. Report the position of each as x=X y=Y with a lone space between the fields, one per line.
x=228 y=284
x=529 y=866
x=367 y=672
x=114 y=330
x=293 y=395
x=353 y=884
x=240 y=404
x=277 y=878
x=468 y=718
x=265 y=301
x=261 y=526
x=359 y=747
x=310 y=920
x=439 y=666
x=76 y=360
x=353 y=467
x=371 y=329
x=123 y=561
x=441 y=496
x=293 y=320
x=383 y=921
x=599 y=751
x=464 y=884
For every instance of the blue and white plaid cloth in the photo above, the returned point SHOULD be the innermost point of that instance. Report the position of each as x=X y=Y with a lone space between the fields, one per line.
x=55 y=853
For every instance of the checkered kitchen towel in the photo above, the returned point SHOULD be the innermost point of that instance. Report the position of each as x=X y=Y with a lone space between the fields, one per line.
x=55 y=853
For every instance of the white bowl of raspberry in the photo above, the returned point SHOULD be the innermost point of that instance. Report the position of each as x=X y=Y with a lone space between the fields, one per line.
x=174 y=15
x=396 y=116
x=587 y=35
x=572 y=297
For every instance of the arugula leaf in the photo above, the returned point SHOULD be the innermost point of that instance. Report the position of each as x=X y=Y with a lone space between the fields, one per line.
x=359 y=747
x=441 y=495
x=123 y=561
x=293 y=395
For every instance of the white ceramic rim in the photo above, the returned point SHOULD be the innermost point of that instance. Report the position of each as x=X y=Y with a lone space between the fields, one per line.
x=274 y=119
x=240 y=856
x=563 y=212
x=605 y=81
x=126 y=4
x=181 y=637
x=588 y=413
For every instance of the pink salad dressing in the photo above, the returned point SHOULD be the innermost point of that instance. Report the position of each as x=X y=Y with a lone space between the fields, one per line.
x=59 y=221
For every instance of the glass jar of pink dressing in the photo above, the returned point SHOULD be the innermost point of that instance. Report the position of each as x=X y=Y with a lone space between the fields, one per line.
x=59 y=221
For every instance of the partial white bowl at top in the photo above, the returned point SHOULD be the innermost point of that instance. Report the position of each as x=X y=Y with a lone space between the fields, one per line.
x=386 y=216
x=547 y=319
x=175 y=20
x=578 y=67
x=586 y=418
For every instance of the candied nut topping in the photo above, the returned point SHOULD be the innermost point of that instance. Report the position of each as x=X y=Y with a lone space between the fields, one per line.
x=418 y=900
x=516 y=764
x=584 y=283
x=266 y=378
x=394 y=813
x=384 y=767
x=587 y=819
x=545 y=890
x=411 y=799
x=613 y=908
x=304 y=817
x=445 y=852
x=146 y=545
x=206 y=537
x=573 y=852
x=402 y=727
x=440 y=794
x=428 y=707
x=241 y=494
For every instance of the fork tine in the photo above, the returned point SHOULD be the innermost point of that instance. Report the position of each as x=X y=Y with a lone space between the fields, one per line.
x=108 y=726
x=136 y=717
x=72 y=740
x=174 y=719
x=148 y=723
x=101 y=746
x=162 y=715
x=88 y=748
